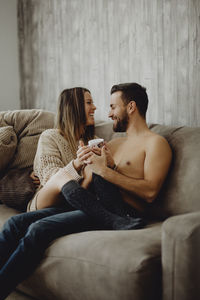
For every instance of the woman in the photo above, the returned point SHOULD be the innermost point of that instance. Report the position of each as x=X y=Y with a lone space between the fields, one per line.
x=26 y=236
x=57 y=148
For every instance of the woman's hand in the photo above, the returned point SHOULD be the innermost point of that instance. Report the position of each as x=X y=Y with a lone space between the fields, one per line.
x=83 y=153
x=35 y=179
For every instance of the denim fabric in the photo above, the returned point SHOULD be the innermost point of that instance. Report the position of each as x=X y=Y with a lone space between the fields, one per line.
x=25 y=237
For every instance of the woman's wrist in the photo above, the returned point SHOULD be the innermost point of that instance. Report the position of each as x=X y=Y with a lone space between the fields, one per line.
x=77 y=165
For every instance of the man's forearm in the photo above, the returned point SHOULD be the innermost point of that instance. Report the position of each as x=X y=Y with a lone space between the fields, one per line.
x=140 y=187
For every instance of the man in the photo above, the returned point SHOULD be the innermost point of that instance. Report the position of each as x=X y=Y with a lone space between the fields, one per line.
x=142 y=158
x=136 y=164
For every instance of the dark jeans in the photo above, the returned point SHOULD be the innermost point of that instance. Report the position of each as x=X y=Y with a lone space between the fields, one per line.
x=25 y=237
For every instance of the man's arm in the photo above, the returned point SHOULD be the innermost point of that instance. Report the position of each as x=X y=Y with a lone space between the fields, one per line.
x=156 y=166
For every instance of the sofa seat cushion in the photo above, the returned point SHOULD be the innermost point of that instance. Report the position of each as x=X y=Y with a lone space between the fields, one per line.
x=16 y=295
x=100 y=265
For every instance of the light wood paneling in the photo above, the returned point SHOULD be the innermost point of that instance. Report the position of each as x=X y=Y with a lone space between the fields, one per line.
x=98 y=43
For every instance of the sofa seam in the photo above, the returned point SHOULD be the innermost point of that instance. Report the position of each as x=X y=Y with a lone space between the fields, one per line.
x=177 y=129
x=157 y=258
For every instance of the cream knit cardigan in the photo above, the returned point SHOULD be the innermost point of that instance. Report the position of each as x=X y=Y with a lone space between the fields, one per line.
x=53 y=152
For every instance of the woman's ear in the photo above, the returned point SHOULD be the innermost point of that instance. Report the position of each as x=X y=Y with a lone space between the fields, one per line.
x=131 y=107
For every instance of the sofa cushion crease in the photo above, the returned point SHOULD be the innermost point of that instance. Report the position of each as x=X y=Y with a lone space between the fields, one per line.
x=141 y=268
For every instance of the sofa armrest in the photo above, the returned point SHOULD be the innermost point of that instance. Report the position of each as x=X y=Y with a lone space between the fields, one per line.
x=180 y=257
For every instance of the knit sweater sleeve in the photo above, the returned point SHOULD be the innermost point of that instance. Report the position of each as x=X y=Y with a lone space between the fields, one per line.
x=48 y=159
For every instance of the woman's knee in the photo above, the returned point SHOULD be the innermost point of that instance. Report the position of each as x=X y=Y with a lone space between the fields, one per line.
x=38 y=233
x=12 y=224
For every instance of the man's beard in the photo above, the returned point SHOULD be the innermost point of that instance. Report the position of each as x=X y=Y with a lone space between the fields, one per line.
x=121 y=124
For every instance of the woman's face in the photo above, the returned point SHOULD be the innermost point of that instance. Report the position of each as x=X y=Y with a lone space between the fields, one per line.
x=89 y=109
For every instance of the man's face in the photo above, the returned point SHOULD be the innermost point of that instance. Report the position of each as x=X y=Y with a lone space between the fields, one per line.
x=118 y=112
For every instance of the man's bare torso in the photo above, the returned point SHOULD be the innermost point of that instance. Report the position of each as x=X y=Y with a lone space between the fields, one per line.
x=129 y=155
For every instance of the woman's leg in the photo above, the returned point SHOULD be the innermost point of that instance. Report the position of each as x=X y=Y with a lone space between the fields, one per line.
x=31 y=247
x=48 y=195
x=15 y=228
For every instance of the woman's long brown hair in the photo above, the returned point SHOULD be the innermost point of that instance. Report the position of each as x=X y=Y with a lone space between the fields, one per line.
x=71 y=119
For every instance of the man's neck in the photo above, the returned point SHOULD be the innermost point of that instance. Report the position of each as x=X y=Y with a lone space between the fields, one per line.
x=137 y=127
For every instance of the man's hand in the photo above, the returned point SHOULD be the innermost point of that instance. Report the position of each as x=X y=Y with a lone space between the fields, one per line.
x=109 y=158
x=96 y=163
x=83 y=153
x=87 y=177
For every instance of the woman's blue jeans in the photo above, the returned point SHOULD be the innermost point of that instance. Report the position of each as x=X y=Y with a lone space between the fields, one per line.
x=25 y=237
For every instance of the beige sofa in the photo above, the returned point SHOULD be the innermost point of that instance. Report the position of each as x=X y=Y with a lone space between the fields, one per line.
x=161 y=261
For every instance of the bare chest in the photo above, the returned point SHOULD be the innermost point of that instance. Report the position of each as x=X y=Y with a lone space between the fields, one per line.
x=129 y=160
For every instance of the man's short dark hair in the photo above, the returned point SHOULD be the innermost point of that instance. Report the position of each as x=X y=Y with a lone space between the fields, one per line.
x=133 y=92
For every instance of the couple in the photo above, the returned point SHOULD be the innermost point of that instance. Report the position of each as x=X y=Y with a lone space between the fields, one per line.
x=88 y=189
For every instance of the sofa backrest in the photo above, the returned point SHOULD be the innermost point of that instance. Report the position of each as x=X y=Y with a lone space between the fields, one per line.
x=181 y=190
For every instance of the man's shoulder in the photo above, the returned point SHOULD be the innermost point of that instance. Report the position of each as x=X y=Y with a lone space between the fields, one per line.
x=157 y=142
x=156 y=138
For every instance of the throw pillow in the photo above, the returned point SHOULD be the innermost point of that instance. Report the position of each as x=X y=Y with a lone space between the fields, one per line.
x=17 y=188
x=28 y=124
x=8 y=144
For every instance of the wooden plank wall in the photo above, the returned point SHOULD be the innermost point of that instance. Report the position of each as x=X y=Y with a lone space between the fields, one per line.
x=98 y=43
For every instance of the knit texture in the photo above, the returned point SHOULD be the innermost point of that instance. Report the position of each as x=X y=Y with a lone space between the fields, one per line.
x=53 y=153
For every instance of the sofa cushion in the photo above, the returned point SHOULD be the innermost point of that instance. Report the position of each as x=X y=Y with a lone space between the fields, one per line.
x=28 y=124
x=16 y=295
x=17 y=188
x=100 y=265
x=8 y=143
x=180 y=192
